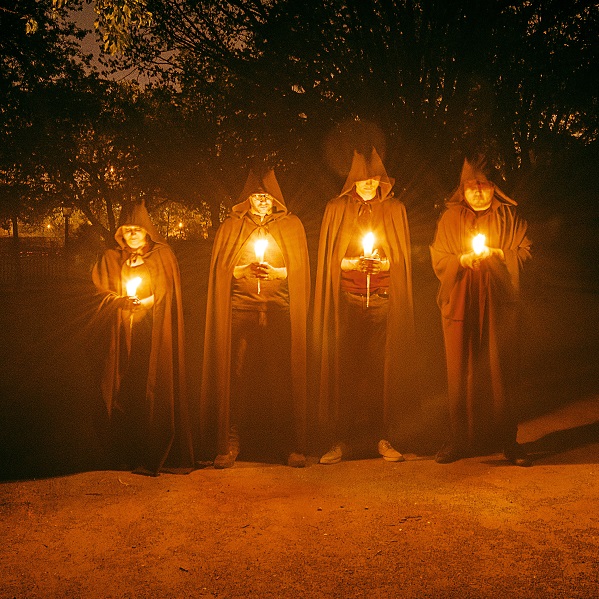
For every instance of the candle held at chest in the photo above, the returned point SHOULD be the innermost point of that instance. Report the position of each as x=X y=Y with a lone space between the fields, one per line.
x=479 y=244
x=260 y=246
x=132 y=285
x=368 y=245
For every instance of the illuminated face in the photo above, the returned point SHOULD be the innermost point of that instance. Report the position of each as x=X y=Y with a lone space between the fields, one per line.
x=261 y=204
x=367 y=189
x=478 y=194
x=135 y=237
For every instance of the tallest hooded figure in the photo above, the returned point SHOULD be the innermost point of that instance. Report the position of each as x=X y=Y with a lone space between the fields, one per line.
x=363 y=317
x=478 y=297
x=254 y=372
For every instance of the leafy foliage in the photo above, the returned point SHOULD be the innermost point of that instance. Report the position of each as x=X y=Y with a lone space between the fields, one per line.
x=511 y=79
x=293 y=85
x=38 y=61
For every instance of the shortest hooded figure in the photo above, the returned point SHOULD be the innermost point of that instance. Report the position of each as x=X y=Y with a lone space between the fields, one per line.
x=477 y=253
x=143 y=375
x=363 y=318
x=254 y=372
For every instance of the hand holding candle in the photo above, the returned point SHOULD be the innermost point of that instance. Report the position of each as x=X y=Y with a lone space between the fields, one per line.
x=479 y=252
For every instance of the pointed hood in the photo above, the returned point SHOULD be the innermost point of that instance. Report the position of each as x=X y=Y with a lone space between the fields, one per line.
x=363 y=168
x=136 y=214
x=267 y=183
x=476 y=170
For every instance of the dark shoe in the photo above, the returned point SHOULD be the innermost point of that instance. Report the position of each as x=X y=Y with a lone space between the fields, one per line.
x=143 y=471
x=449 y=453
x=517 y=456
x=225 y=460
x=296 y=460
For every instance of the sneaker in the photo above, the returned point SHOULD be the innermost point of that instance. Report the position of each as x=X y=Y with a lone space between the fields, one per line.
x=333 y=456
x=389 y=453
x=296 y=460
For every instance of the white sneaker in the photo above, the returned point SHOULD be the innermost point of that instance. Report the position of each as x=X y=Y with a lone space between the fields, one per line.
x=388 y=452
x=333 y=456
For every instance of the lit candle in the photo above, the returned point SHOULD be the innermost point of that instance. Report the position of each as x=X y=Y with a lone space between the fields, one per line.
x=479 y=244
x=132 y=285
x=259 y=249
x=368 y=245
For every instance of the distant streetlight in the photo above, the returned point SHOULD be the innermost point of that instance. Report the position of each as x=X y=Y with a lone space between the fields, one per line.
x=66 y=213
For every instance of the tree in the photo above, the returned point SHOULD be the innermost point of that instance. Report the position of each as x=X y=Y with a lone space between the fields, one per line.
x=434 y=75
x=38 y=58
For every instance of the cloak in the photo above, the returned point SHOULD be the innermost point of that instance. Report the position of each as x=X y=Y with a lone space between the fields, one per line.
x=170 y=440
x=338 y=224
x=231 y=237
x=479 y=312
x=455 y=229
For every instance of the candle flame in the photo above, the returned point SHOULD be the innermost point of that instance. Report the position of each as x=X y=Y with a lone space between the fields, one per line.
x=260 y=248
x=132 y=285
x=368 y=243
x=478 y=243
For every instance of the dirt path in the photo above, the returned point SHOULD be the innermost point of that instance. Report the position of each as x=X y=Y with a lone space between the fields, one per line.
x=473 y=529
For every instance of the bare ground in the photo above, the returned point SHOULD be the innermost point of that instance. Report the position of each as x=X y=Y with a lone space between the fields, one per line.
x=364 y=528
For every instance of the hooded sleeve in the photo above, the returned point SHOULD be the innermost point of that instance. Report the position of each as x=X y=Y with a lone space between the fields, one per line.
x=445 y=254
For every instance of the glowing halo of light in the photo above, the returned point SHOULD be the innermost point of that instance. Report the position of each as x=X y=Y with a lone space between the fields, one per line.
x=368 y=244
x=260 y=246
x=479 y=242
x=132 y=285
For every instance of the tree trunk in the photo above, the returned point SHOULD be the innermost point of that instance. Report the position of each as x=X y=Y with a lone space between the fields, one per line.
x=15 y=229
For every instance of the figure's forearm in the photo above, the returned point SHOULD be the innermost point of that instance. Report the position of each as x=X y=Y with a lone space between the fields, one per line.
x=350 y=264
x=279 y=273
x=240 y=271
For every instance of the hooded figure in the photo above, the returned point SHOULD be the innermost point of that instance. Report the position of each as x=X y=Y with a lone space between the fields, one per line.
x=478 y=298
x=254 y=369
x=363 y=315
x=143 y=377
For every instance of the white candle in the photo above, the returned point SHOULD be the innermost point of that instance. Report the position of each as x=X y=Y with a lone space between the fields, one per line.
x=368 y=244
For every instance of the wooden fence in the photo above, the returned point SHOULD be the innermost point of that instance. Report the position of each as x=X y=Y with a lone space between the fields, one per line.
x=33 y=267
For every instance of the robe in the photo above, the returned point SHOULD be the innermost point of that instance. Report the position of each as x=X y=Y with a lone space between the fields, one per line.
x=400 y=397
x=479 y=311
x=168 y=440
x=231 y=238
